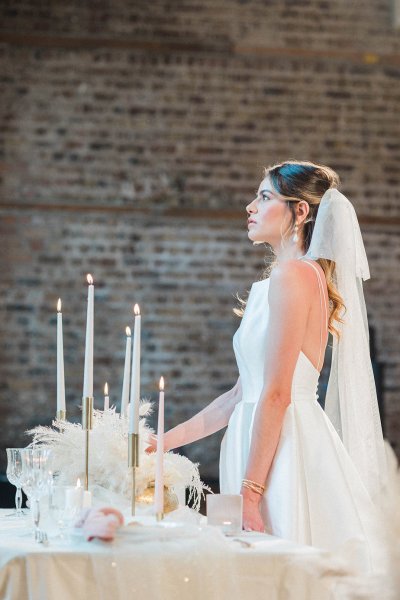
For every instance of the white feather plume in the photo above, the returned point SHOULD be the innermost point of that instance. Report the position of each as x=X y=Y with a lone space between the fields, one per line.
x=109 y=455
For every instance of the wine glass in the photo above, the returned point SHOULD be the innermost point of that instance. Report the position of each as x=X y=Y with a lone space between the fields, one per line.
x=62 y=510
x=14 y=475
x=35 y=478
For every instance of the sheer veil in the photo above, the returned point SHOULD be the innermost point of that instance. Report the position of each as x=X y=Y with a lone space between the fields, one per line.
x=351 y=401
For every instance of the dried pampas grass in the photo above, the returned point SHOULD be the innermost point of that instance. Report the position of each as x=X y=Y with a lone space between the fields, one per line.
x=109 y=455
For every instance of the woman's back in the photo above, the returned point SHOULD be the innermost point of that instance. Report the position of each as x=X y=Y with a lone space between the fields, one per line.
x=250 y=339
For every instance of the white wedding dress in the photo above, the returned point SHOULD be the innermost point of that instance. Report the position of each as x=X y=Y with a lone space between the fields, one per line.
x=313 y=494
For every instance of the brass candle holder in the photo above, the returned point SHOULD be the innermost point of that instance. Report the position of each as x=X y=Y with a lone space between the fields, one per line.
x=87 y=425
x=133 y=463
x=146 y=498
x=61 y=415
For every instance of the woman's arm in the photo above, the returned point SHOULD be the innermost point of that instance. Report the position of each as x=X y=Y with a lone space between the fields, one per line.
x=212 y=418
x=290 y=293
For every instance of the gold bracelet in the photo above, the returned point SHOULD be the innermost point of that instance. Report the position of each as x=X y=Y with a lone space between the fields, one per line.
x=259 y=485
x=253 y=486
x=253 y=489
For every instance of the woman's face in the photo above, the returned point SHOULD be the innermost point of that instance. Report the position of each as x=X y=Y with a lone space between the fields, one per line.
x=269 y=216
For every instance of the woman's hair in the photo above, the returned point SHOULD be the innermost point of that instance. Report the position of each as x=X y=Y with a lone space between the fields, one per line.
x=297 y=180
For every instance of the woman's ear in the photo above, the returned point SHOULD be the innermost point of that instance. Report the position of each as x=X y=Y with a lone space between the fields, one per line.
x=303 y=208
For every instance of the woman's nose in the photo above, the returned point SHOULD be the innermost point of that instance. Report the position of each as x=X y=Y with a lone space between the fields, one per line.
x=250 y=208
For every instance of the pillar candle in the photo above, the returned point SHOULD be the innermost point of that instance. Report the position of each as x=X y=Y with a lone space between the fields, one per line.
x=88 y=368
x=159 y=484
x=60 y=361
x=127 y=373
x=73 y=497
x=135 y=374
x=87 y=499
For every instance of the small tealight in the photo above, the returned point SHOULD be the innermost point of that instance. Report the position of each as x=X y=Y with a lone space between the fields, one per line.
x=225 y=512
x=226 y=526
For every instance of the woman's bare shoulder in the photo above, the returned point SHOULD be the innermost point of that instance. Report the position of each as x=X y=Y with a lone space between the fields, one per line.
x=292 y=272
x=292 y=285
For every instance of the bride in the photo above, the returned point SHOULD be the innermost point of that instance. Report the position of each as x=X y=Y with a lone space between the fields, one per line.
x=305 y=474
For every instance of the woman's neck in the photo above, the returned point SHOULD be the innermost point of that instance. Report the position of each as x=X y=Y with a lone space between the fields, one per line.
x=289 y=253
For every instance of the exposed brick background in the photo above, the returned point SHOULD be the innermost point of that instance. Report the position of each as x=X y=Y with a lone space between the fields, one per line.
x=133 y=135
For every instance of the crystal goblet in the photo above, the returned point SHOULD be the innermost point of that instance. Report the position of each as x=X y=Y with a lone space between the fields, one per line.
x=35 y=479
x=14 y=475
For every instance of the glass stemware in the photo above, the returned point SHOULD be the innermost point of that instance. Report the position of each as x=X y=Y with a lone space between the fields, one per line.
x=62 y=510
x=14 y=476
x=35 y=479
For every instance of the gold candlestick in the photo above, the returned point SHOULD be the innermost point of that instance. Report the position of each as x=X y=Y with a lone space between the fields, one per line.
x=87 y=424
x=133 y=463
x=61 y=415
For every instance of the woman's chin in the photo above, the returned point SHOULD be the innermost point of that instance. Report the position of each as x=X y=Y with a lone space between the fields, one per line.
x=254 y=238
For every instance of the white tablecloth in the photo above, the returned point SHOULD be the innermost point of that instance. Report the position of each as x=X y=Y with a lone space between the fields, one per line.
x=188 y=562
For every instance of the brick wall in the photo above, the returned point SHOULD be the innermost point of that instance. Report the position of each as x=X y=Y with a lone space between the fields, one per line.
x=133 y=135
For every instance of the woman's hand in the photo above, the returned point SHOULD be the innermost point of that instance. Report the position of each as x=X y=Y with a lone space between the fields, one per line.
x=152 y=443
x=252 y=520
x=172 y=439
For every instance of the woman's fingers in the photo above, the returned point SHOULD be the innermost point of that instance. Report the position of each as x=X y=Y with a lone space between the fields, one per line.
x=253 y=525
x=152 y=443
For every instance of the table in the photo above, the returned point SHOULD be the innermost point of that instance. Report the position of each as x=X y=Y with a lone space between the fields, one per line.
x=182 y=562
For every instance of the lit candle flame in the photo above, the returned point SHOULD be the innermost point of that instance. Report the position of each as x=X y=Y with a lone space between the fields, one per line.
x=161 y=384
x=106 y=389
x=59 y=305
x=78 y=483
x=128 y=332
x=89 y=279
x=136 y=310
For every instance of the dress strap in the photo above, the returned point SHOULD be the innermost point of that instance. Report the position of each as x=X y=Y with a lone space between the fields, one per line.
x=322 y=301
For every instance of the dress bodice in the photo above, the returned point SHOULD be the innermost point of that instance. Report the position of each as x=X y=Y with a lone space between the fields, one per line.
x=249 y=344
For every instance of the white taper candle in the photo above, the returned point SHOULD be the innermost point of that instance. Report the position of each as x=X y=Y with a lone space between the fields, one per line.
x=106 y=397
x=159 y=483
x=88 y=368
x=135 y=374
x=127 y=373
x=60 y=361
